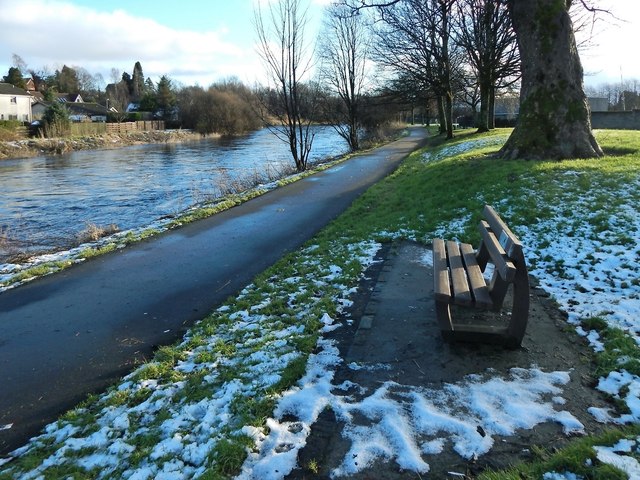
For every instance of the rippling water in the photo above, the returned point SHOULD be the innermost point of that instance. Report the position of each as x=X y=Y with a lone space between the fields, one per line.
x=47 y=200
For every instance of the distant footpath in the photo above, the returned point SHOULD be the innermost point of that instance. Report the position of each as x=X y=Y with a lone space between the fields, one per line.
x=34 y=147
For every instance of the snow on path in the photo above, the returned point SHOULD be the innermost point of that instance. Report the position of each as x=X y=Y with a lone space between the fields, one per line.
x=407 y=424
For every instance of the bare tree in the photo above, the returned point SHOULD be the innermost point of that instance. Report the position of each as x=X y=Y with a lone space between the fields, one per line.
x=483 y=29
x=117 y=97
x=280 y=30
x=554 y=120
x=344 y=53
x=414 y=38
x=114 y=75
x=18 y=62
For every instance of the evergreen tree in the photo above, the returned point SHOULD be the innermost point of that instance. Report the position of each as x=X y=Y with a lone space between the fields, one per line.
x=67 y=80
x=128 y=82
x=165 y=97
x=148 y=102
x=56 y=120
x=137 y=82
x=149 y=87
x=14 y=77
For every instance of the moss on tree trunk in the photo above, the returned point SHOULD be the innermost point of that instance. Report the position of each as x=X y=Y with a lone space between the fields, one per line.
x=554 y=120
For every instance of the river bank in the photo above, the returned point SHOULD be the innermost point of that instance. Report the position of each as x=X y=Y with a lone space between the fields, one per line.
x=53 y=201
x=34 y=147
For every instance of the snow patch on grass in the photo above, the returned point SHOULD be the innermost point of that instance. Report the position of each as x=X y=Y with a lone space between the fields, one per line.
x=618 y=457
x=463 y=147
x=588 y=259
x=168 y=418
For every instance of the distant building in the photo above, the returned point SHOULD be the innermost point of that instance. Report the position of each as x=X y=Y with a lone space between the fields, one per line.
x=38 y=109
x=69 y=98
x=87 y=112
x=30 y=85
x=15 y=103
x=78 y=111
x=597 y=104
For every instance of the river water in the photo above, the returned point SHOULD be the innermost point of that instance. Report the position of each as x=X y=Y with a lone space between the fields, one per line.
x=47 y=201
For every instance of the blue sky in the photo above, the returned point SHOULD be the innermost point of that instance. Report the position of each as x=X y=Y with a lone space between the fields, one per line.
x=202 y=41
x=191 y=41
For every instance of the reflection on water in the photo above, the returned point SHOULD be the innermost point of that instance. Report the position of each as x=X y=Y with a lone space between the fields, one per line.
x=48 y=199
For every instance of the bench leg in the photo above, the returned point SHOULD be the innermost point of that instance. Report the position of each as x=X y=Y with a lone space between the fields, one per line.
x=443 y=315
x=520 y=308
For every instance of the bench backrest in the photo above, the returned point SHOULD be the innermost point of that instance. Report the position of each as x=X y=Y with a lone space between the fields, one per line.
x=503 y=249
x=509 y=242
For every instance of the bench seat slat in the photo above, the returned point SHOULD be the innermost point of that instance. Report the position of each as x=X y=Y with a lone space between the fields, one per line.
x=504 y=266
x=477 y=281
x=459 y=282
x=442 y=286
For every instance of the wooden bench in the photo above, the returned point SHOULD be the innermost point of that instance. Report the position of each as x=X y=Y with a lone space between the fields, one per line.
x=459 y=280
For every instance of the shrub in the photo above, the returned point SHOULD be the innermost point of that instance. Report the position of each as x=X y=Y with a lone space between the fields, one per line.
x=94 y=232
x=56 y=120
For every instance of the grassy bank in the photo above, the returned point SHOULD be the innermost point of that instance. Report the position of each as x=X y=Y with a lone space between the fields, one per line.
x=202 y=406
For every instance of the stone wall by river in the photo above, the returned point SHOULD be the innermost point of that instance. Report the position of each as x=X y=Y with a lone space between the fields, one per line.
x=34 y=147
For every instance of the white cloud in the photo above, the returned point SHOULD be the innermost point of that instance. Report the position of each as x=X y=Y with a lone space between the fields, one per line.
x=50 y=33
x=612 y=34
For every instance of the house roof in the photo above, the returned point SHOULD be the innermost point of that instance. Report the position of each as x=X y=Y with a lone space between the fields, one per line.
x=69 y=97
x=86 y=109
x=8 y=89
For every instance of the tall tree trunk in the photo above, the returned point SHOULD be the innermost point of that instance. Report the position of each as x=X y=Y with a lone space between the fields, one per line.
x=485 y=93
x=445 y=65
x=448 y=105
x=354 y=141
x=492 y=108
x=442 y=118
x=485 y=74
x=554 y=119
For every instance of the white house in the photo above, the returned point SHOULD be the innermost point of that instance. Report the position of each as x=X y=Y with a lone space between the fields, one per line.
x=15 y=103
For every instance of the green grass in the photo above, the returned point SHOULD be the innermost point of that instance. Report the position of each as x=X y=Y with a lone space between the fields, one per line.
x=227 y=458
x=38 y=271
x=252 y=411
x=421 y=198
x=579 y=458
x=621 y=351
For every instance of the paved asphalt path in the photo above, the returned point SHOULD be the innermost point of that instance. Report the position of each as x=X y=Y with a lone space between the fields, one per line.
x=76 y=332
